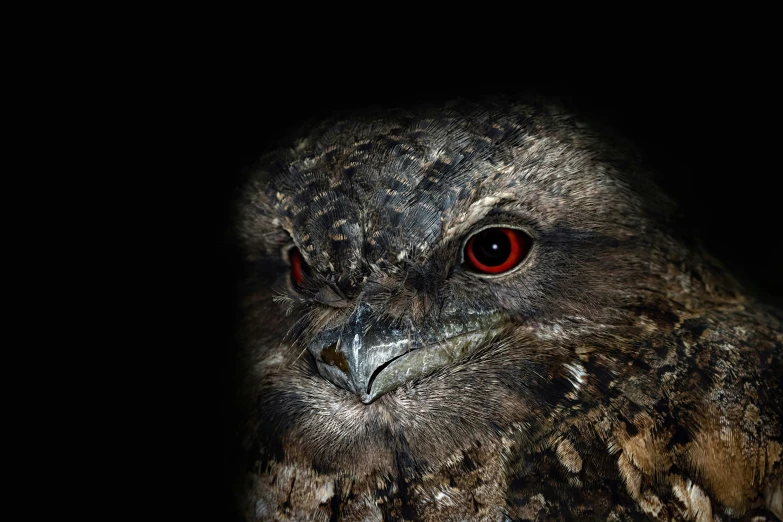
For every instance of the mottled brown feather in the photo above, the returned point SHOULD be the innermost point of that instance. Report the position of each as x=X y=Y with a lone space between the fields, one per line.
x=629 y=379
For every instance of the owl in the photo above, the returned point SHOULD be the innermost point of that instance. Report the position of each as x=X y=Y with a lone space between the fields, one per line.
x=486 y=311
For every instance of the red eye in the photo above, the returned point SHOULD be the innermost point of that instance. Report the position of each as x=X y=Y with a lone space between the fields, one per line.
x=496 y=250
x=298 y=266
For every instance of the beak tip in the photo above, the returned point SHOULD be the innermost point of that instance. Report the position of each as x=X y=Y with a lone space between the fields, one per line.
x=367 y=398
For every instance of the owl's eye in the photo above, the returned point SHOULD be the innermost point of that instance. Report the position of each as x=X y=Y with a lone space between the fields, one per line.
x=496 y=250
x=298 y=266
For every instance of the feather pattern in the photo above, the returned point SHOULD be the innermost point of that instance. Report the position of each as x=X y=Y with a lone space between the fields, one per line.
x=618 y=374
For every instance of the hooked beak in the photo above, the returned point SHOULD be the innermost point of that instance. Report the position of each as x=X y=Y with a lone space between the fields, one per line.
x=370 y=356
x=352 y=356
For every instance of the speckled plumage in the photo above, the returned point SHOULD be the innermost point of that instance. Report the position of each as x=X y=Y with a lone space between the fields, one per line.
x=620 y=373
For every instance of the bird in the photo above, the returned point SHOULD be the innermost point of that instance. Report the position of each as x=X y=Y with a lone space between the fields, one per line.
x=487 y=310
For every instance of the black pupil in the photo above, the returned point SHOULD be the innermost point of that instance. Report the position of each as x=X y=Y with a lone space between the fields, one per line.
x=491 y=247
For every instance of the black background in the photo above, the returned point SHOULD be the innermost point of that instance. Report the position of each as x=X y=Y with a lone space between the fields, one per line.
x=705 y=114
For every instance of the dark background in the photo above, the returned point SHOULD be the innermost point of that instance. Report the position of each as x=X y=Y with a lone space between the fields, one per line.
x=705 y=116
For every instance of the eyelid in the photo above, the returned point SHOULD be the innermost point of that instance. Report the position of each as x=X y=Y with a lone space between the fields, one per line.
x=285 y=253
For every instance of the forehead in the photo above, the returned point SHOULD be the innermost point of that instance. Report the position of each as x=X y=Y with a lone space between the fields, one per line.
x=387 y=185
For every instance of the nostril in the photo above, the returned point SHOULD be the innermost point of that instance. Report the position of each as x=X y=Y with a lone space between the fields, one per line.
x=333 y=357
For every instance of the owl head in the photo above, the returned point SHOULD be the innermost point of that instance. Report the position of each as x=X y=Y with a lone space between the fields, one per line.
x=424 y=277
